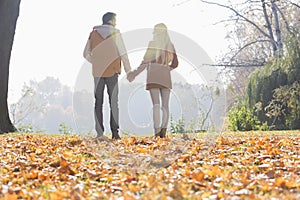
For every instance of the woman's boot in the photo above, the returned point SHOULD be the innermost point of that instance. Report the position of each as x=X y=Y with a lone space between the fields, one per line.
x=157 y=133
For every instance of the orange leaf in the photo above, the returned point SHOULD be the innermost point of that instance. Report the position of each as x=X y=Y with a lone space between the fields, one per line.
x=142 y=150
x=129 y=196
x=10 y=196
x=198 y=175
x=63 y=162
x=151 y=181
x=32 y=174
x=43 y=176
x=133 y=188
x=221 y=156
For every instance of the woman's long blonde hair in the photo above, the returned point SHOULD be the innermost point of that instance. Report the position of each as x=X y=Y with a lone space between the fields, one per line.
x=163 y=46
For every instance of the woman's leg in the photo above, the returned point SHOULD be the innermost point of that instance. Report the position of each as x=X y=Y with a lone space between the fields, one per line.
x=165 y=95
x=154 y=93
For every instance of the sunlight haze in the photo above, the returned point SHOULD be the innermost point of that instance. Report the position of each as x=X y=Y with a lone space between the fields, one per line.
x=51 y=34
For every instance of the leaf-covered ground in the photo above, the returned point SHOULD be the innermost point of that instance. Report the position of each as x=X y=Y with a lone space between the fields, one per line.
x=251 y=165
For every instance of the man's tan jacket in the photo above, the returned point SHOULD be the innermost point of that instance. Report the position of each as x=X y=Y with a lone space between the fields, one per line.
x=104 y=54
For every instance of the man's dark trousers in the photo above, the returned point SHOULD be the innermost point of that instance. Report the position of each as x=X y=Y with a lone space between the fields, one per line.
x=112 y=90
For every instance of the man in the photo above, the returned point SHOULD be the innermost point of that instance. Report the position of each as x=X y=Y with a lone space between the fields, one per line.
x=105 y=49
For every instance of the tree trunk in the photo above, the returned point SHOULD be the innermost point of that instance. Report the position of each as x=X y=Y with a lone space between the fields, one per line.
x=269 y=27
x=277 y=29
x=9 y=12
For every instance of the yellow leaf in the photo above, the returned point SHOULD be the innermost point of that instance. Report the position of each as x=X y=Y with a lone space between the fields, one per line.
x=181 y=164
x=68 y=154
x=39 y=151
x=205 y=195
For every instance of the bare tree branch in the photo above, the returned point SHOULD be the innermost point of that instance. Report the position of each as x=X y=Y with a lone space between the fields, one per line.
x=237 y=65
x=208 y=112
x=245 y=46
x=243 y=17
x=284 y=19
x=294 y=4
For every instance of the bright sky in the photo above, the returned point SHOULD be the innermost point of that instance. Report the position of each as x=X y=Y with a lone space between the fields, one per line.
x=51 y=34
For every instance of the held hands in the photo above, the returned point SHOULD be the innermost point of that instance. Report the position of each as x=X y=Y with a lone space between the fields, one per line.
x=130 y=76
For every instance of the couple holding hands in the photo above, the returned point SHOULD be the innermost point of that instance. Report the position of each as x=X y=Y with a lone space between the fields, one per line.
x=105 y=49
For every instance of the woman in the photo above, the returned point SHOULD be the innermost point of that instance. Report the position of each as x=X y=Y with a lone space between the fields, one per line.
x=159 y=59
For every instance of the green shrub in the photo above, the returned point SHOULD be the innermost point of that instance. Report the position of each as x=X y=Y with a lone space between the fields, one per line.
x=275 y=88
x=63 y=128
x=284 y=108
x=241 y=118
x=25 y=128
x=177 y=127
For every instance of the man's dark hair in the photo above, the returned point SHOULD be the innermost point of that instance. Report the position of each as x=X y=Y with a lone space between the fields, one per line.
x=108 y=16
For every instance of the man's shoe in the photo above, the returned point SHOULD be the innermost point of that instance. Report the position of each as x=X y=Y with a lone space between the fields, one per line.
x=101 y=138
x=163 y=132
x=116 y=136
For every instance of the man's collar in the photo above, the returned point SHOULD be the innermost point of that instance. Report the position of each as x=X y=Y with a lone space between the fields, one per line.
x=107 y=24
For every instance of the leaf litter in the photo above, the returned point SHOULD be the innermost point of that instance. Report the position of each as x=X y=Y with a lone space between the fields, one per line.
x=251 y=165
